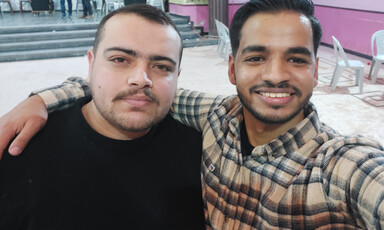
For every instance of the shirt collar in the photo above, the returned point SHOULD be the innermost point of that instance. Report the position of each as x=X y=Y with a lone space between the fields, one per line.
x=290 y=141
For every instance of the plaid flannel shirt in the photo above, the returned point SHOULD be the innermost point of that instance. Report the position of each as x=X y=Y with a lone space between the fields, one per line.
x=309 y=177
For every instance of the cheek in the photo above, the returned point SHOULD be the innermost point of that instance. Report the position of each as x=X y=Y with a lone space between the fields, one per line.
x=306 y=85
x=245 y=73
x=244 y=79
x=165 y=90
x=309 y=78
x=105 y=89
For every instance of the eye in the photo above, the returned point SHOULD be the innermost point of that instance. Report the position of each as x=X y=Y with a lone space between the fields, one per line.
x=297 y=60
x=255 y=59
x=119 y=60
x=163 y=68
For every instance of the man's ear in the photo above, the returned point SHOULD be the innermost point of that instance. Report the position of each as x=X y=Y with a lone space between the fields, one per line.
x=91 y=60
x=316 y=77
x=231 y=69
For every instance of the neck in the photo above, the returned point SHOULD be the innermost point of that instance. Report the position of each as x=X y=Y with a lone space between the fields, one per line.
x=104 y=127
x=260 y=133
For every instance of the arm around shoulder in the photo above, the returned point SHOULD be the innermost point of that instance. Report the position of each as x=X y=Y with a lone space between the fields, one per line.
x=192 y=108
x=64 y=95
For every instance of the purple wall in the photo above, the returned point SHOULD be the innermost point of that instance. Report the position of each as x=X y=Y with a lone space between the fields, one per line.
x=352 y=28
x=232 y=10
x=362 y=5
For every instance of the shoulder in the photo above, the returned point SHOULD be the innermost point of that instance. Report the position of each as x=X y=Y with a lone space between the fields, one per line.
x=191 y=97
x=39 y=149
x=176 y=128
x=172 y=132
x=346 y=157
x=68 y=119
x=172 y=136
x=61 y=123
x=62 y=129
x=342 y=144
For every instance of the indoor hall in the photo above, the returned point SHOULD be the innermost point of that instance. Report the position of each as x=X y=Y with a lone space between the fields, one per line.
x=279 y=167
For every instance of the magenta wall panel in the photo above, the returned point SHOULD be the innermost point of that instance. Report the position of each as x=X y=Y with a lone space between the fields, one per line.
x=352 y=28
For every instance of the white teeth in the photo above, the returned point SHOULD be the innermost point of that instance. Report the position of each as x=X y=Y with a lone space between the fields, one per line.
x=279 y=95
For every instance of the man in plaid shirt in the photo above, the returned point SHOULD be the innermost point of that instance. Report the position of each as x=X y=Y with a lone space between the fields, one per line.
x=268 y=162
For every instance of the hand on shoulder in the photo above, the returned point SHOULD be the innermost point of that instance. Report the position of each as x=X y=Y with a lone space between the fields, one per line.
x=22 y=123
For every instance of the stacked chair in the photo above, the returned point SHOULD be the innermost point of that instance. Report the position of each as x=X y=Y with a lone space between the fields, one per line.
x=378 y=56
x=8 y=3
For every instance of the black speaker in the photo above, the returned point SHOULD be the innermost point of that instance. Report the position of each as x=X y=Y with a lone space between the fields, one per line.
x=128 y=2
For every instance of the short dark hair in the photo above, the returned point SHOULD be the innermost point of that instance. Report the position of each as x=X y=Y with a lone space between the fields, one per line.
x=252 y=7
x=148 y=12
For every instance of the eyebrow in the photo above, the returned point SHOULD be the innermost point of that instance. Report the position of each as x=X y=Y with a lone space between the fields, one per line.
x=292 y=50
x=253 y=49
x=299 y=50
x=134 y=54
x=127 y=51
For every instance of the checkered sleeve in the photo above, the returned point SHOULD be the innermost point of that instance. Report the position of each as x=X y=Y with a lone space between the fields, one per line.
x=367 y=186
x=357 y=178
x=64 y=95
x=192 y=108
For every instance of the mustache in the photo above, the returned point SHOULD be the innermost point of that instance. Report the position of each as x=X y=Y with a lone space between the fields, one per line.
x=281 y=85
x=147 y=92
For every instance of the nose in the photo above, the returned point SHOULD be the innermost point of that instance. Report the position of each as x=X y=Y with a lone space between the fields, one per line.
x=139 y=77
x=276 y=71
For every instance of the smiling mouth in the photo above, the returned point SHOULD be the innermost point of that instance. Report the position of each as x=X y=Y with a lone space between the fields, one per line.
x=274 y=95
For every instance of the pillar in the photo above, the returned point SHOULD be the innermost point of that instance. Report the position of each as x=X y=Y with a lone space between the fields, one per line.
x=218 y=9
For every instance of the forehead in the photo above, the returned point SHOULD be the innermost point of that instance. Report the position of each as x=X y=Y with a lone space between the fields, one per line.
x=134 y=32
x=285 y=28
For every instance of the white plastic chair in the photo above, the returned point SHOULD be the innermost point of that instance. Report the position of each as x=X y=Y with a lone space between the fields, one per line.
x=219 y=43
x=156 y=3
x=377 y=59
x=8 y=3
x=224 y=44
x=355 y=65
x=106 y=6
